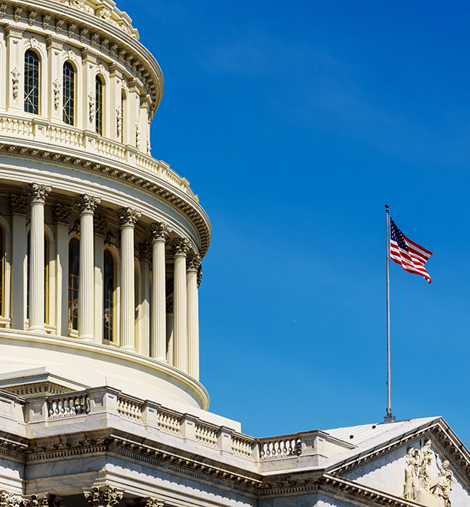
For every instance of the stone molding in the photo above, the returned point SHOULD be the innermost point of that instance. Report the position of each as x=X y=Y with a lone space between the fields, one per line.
x=159 y=231
x=18 y=204
x=127 y=216
x=105 y=496
x=37 y=193
x=61 y=213
x=87 y=203
x=180 y=246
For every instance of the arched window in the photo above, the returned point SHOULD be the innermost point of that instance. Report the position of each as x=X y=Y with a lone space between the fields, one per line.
x=99 y=106
x=74 y=277
x=46 y=277
x=69 y=94
x=109 y=290
x=31 y=82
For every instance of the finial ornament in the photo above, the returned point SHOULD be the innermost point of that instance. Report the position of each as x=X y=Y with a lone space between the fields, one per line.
x=18 y=204
x=180 y=246
x=128 y=217
x=419 y=484
x=37 y=193
x=105 y=496
x=61 y=213
x=87 y=203
x=159 y=231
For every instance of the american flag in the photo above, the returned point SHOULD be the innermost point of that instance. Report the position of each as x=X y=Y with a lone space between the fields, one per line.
x=410 y=255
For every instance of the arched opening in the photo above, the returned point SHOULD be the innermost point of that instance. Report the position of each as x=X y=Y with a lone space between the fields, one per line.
x=74 y=278
x=69 y=94
x=31 y=82
x=99 y=101
x=109 y=283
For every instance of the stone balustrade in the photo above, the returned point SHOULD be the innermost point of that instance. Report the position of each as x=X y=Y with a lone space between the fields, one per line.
x=56 y=137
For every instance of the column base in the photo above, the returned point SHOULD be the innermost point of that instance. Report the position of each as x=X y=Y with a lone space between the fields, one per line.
x=87 y=338
x=37 y=329
x=128 y=347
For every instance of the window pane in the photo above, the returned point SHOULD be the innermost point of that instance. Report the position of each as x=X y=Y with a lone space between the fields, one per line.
x=69 y=94
x=31 y=82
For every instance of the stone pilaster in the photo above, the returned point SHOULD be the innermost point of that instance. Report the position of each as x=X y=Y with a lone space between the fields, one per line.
x=159 y=233
x=127 y=218
x=86 y=301
x=37 y=195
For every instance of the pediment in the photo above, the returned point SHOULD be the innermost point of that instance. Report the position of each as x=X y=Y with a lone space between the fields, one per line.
x=429 y=466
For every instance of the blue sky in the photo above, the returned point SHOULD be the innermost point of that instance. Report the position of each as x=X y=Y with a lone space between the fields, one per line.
x=295 y=123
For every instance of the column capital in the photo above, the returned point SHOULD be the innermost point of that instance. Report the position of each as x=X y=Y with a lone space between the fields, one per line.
x=37 y=193
x=100 y=224
x=145 y=251
x=128 y=216
x=44 y=500
x=9 y=499
x=148 y=502
x=18 y=204
x=87 y=203
x=61 y=213
x=199 y=276
x=159 y=231
x=180 y=246
x=193 y=261
x=106 y=496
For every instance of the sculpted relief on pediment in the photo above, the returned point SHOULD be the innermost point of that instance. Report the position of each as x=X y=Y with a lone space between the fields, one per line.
x=421 y=485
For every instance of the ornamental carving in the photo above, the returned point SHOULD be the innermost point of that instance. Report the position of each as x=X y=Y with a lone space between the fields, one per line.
x=18 y=204
x=87 y=203
x=44 y=500
x=199 y=276
x=159 y=231
x=61 y=213
x=137 y=136
x=147 y=502
x=8 y=499
x=145 y=251
x=420 y=486
x=169 y=304
x=128 y=217
x=37 y=193
x=100 y=224
x=193 y=261
x=3 y=8
x=105 y=496
x=110 y=239
x=180 y=246
x=91 y=106
x=57 y=85
x=15 y=81
x=118 y=121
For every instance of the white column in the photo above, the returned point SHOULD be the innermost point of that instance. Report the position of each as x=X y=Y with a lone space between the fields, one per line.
x=86 y=300
x=143 y=309
x=180 y=315
x=128 y=218
x=18 y=204
x=169 y=331
x=37 y=195
x=158 y=339
x=100 y=224
x=61 y=219
x=193 y=262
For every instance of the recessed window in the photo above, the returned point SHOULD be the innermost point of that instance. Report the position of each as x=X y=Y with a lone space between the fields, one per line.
x=31 y=82
x=99 y=106
x=109 y=289
x=69 y=94
x=74 y=278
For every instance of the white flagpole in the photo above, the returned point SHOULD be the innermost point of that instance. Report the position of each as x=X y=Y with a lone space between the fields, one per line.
x=388 y=416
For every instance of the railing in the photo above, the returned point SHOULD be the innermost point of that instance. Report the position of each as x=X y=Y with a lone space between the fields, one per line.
x=280 y=447
x=169 y=421
x=242 y=446
x=206 y=434
x=68 y=406
x=130 y=408
x=45 y=132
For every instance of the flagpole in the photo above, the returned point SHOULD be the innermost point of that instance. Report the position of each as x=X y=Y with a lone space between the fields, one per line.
x=388 y=416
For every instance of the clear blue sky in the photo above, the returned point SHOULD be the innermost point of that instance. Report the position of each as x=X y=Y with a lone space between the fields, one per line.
x=295 y=123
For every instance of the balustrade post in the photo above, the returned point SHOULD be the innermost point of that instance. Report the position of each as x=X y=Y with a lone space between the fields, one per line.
x=86 y=300
x=159 y=233
x=37 y=195
x=193 y=263
x=180 y=316
x=128 y=218
x=188 y=427
x=224 y=440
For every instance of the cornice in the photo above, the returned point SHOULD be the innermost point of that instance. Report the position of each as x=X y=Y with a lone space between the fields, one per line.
x=113 y=169
x=54 y=18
